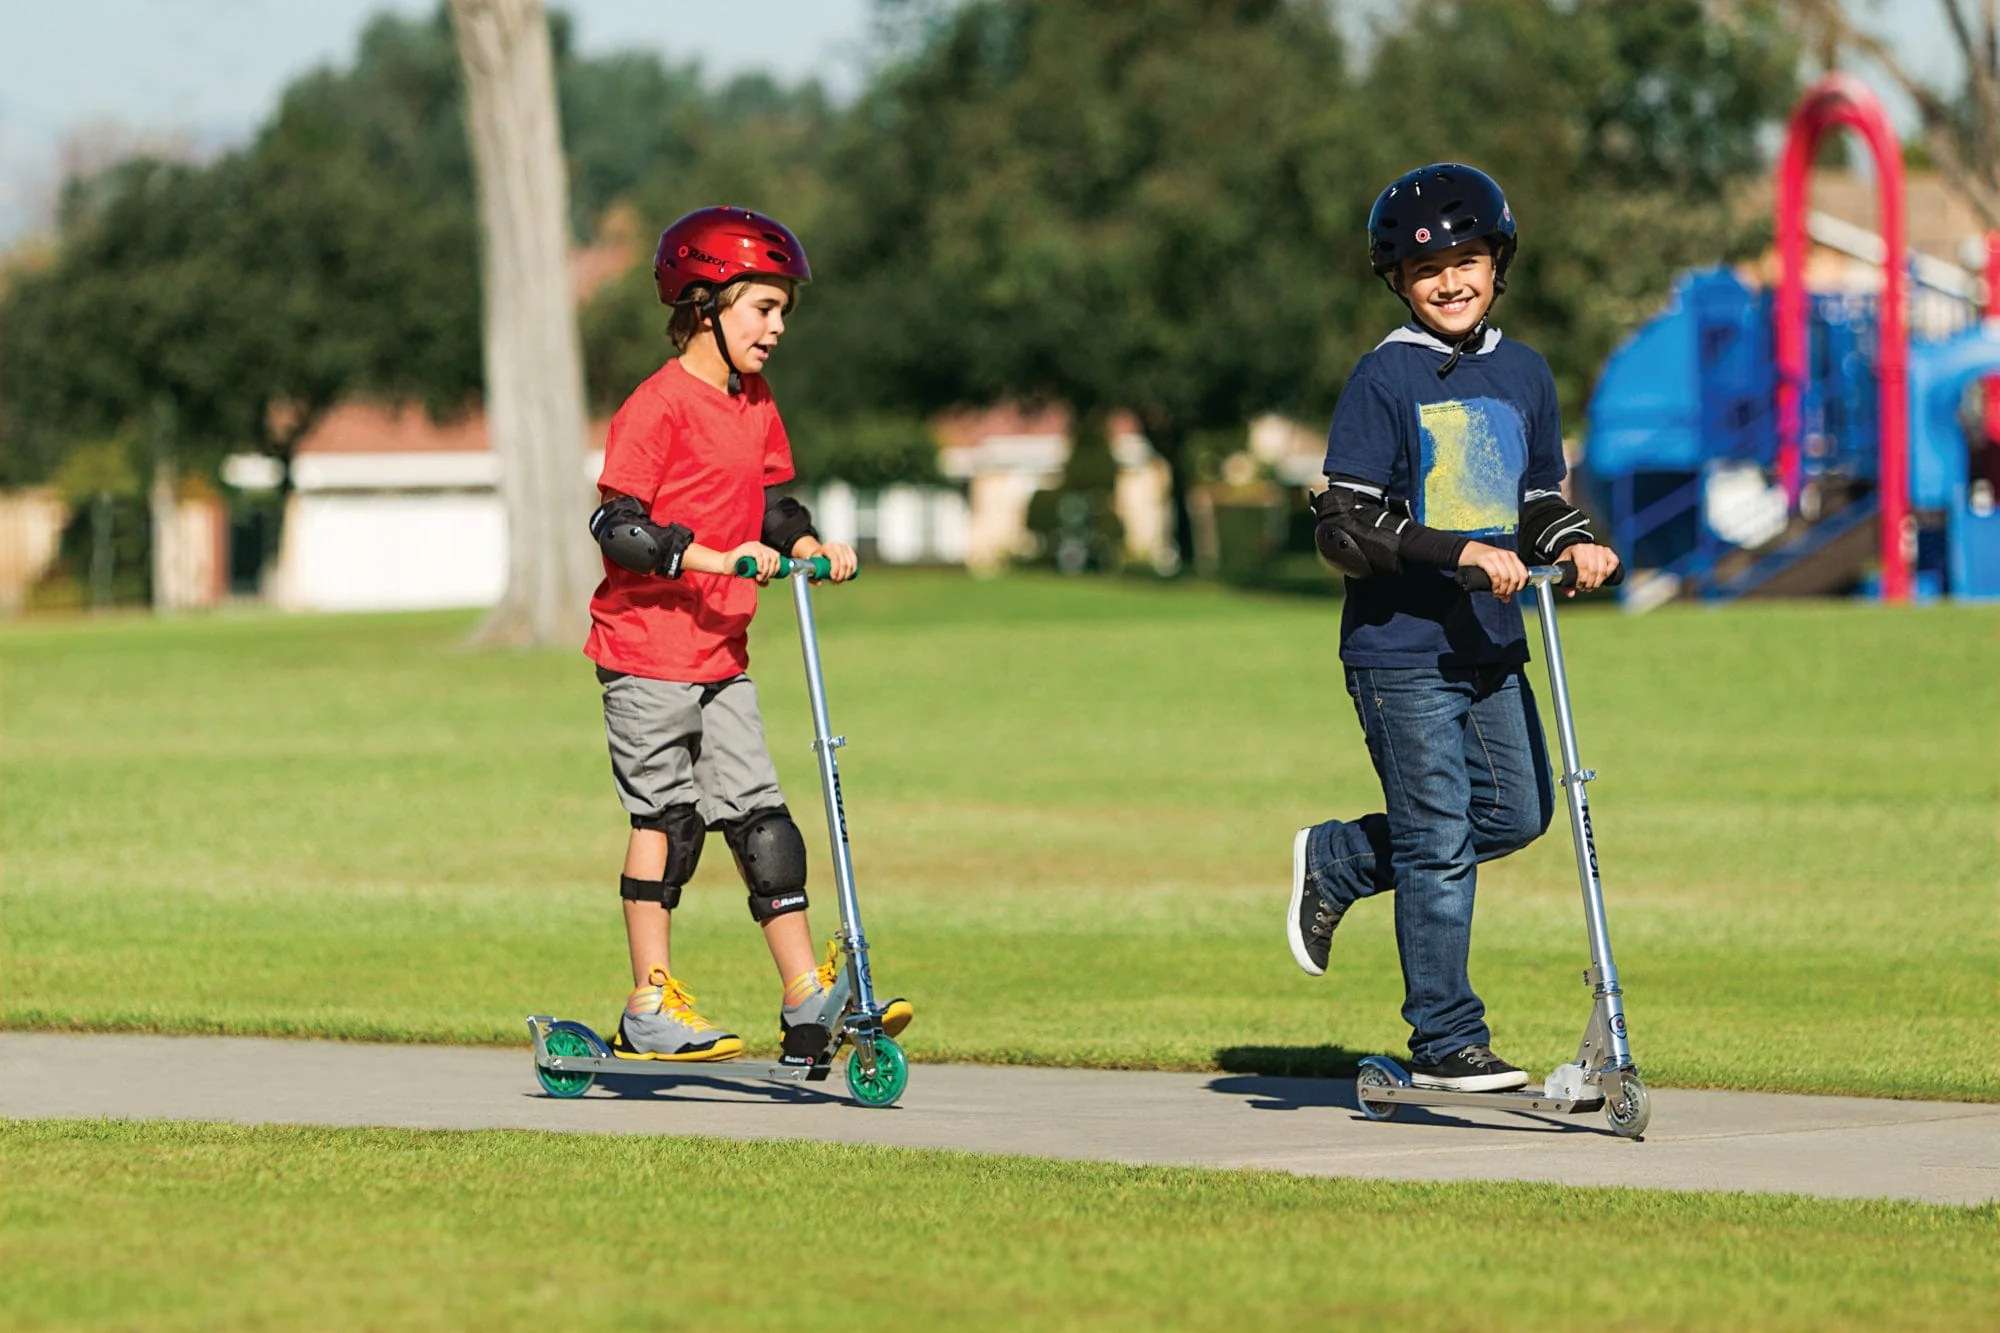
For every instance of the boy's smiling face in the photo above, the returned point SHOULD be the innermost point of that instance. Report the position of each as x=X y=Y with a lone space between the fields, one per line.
x=753 y=324
x=1451 y=290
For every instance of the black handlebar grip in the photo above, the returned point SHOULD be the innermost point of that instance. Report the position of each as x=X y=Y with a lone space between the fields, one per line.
x=1474 y=579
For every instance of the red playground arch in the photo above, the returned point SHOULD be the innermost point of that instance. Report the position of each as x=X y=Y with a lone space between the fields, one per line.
x=1840 y=99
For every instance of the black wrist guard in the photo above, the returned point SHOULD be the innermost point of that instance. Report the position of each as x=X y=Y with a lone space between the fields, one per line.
x=631 y=540
x=1550 y=525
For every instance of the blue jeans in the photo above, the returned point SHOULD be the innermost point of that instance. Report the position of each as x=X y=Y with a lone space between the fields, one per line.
x=1465 y=778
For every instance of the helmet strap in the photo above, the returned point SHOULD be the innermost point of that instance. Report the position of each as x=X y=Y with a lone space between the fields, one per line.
x=1459 y=348
x=711 y=306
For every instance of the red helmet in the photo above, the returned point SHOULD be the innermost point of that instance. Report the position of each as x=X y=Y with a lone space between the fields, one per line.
x=713 y=247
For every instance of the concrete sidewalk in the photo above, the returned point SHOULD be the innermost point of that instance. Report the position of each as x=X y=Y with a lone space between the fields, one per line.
x=1940 y=1152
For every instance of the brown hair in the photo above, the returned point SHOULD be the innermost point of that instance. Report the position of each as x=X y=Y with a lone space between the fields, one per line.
x=688 y=314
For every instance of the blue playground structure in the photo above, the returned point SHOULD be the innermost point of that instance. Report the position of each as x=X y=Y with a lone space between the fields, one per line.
x=1685 y=412
x=1748 y=442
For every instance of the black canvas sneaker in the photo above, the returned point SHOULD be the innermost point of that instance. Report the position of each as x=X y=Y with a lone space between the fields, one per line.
x=1474 y=1069
x=1309 y=923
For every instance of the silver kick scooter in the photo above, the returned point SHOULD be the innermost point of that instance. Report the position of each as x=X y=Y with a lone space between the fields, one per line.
x=569 y=1056
x=1603 y=1074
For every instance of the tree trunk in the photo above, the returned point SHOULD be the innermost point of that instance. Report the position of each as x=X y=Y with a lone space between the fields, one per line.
x=534 y=376
x=163 y=499
x=1169 y=441
x=167 y=556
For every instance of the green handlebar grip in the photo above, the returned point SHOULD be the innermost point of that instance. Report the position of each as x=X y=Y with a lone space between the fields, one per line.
x=819 y=567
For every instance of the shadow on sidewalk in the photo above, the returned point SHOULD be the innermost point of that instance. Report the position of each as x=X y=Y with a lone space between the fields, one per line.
x=691 y=1086
x=1297 y=1078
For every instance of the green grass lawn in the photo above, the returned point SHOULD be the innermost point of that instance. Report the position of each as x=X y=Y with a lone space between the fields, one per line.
x=189 y=1226
x=1072 y=806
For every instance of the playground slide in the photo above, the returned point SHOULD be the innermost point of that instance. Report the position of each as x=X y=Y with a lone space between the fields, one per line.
x=1810 y=560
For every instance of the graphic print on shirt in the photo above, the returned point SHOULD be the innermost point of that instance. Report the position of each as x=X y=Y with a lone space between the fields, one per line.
x=1473 y=454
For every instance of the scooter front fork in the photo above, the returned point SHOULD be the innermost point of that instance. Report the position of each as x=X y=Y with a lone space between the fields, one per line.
x=1604 y=1048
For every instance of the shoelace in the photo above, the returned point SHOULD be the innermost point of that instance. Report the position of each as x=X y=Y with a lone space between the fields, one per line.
x=827 y=971
x=679 y=1001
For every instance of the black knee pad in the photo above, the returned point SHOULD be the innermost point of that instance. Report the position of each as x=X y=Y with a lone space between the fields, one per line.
x=771 y=853
x=685 y=835
x=649 y=891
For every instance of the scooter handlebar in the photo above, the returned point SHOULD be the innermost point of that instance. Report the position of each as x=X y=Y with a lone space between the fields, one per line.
x=1563 y=575
x=818 y=567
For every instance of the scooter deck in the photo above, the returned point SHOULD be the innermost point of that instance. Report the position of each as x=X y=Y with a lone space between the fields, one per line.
x=752 y=1071
x=1499 y=1101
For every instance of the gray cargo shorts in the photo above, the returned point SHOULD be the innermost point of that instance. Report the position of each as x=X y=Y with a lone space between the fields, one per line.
x=673 y=743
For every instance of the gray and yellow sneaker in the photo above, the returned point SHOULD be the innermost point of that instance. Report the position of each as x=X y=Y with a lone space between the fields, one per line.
x=814 y=1004
x=812 y=1008
x=660 y=1023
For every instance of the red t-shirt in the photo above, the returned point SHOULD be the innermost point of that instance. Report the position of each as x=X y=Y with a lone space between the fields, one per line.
x=692 y=455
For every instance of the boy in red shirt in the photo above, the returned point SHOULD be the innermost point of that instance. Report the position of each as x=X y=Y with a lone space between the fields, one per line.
x=691 y=471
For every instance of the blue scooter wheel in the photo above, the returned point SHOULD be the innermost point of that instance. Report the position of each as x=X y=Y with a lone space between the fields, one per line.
x=1367 y=1080
x=569 y=1039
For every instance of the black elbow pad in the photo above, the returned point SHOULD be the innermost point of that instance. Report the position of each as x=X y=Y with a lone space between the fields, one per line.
x=1551 y=525
x=1358 y=533
x=785 y=521
x=631 y=540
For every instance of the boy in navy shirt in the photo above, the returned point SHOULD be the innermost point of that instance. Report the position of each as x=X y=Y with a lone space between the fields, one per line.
x=1446 y=451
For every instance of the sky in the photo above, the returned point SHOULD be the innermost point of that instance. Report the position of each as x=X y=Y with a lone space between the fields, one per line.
x=200 y=75
x=205 y=73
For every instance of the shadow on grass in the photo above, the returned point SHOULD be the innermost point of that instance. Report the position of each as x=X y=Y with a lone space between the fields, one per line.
x=1291 y=1061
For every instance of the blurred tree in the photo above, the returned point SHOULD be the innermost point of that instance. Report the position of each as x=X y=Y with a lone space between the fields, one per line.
x=337 y=254
x=1075 y=523
x=865 y=449
x=1161 y=205
x=331 y=257
x=1618 y=131
x=1128 y=205
x=108 y=527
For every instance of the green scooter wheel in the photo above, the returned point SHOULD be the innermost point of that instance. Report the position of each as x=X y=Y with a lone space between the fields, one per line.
x=886 y=1084
x=569 y=1039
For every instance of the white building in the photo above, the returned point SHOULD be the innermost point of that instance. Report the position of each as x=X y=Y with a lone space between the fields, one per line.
x=392 y=511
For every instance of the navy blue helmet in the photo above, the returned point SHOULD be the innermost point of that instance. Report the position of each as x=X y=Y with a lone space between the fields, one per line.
x=1436 y=207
